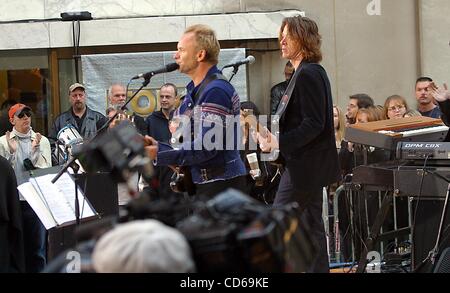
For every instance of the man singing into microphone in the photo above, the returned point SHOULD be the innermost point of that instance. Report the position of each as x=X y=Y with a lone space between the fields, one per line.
x=210 y=99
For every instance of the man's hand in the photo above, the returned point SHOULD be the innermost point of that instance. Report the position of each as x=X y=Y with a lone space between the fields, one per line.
x=267 y=142
x=12 y=144
x=36 y=141
x=440 y=94
x=151 y=146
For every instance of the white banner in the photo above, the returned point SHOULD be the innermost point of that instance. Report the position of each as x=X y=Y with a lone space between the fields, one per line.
x=101 y=70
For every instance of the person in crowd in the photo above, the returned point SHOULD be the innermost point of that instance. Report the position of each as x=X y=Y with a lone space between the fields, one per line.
x=442 y=96
x=27 y=150
x=356 y=102
x=158 y=128
x=395 y=107
x=262 y=186
x=425 y=102
x=214 y=163
x=339 y=125
x=5 y=125
x=309 y=116
x=277 y=91
x=144 y=246
x=86 y=121
x=412 y=113
x=117 y=97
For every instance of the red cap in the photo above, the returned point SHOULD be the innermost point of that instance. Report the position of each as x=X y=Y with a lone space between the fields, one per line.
x=17 y=109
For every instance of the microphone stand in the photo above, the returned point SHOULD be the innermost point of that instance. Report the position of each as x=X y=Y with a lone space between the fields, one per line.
x=233 y=73
x=72 y=159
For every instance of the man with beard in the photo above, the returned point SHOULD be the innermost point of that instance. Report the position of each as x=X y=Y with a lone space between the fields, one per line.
x=86 y=121
x=117 y=97
x=425 y=102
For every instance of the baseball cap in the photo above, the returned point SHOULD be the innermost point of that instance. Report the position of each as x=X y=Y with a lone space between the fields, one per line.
x=17 y=109
x=76 y=86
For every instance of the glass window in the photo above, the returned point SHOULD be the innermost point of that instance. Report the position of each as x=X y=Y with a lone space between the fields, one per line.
x=24 y=78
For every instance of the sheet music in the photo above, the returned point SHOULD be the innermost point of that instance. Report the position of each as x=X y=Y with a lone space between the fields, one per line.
x=34 y=200
x=54 y=203
x=67 y=186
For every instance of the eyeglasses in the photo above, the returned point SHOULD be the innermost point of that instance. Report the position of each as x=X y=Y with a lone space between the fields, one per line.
x=398 y=107
x=22 y=114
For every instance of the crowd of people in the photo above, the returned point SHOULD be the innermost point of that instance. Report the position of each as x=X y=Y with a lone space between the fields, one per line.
x=311 y=132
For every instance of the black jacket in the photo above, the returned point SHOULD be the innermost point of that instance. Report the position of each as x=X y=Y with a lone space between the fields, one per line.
x=276 y=92
x=307 y=140
x=140 y=123
x=158 y=128
x=12 y=257
x=445 y=109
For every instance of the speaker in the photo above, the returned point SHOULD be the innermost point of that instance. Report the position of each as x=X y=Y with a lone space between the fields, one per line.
x=443 y=264
x=101 y=191
x=426 y=215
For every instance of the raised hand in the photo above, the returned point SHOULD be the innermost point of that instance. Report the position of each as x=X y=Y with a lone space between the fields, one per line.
x=36 y=141
x=12 y=144
x=267 y=142
x=440 y=94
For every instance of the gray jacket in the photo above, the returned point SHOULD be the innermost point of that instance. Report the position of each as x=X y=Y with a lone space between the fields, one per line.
x=91 y=123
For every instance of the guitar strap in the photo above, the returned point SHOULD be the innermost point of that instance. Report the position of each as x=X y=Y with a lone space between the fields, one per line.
x=287 y=94
x=210 y=78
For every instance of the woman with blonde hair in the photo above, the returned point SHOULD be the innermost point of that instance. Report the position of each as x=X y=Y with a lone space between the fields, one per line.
x=395 y=107
x=412 y=113
x=369 y=114
x=339 y=125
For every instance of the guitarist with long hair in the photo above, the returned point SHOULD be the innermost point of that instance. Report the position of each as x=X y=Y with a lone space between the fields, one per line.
x=213 y=161
x=306 y=134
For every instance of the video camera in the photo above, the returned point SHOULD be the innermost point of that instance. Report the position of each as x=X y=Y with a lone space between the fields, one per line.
x=119 y=150
x=233 y=232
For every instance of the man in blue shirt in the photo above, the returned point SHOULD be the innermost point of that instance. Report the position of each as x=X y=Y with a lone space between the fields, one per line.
x=210 y=148
x=425 y=102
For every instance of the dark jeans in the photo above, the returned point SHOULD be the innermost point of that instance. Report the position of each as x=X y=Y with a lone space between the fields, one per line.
x=310 y=204
x=35 y=240
x=209 y=190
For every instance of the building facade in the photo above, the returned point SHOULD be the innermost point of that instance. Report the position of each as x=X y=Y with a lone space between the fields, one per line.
x=378 y=47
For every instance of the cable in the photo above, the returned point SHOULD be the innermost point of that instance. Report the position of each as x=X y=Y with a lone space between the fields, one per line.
x=417 y=207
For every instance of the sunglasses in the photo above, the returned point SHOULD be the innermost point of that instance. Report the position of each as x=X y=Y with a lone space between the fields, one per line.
x=23 y=113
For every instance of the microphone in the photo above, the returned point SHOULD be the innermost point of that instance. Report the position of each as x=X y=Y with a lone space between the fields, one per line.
x=249 y=60
x=28 y=165
x=168 y=68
